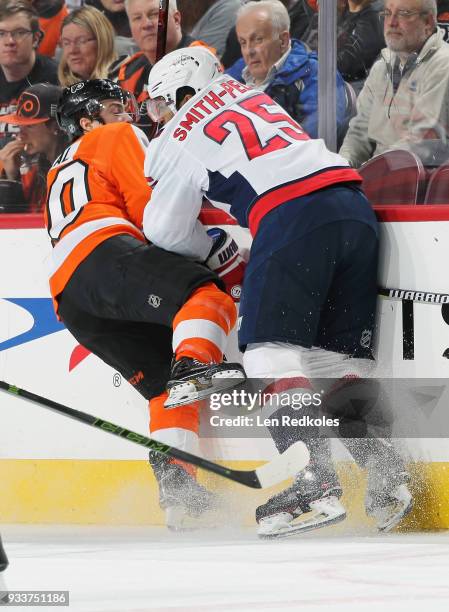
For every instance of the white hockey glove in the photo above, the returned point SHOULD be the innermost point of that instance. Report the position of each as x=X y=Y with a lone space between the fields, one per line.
x=226 y=261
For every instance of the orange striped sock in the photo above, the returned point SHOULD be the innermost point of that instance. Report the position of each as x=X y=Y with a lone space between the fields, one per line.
x=181 y=421
x=202 y=325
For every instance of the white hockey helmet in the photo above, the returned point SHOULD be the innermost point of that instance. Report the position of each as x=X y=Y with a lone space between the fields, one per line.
x=192 y=67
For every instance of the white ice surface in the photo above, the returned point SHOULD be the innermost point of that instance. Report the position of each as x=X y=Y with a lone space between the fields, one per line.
x=139 y=569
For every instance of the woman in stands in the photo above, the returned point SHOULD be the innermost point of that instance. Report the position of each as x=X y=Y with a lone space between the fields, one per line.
x=27 y=159
x=87 y=43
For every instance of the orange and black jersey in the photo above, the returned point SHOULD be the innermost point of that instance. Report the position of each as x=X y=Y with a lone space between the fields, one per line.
x=51 y=16
x=133 y=75
x=96 y=189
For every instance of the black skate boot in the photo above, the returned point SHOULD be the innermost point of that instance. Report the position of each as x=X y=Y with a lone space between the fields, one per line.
x=388 y=499
x=192 y=380
x=311 y=502
x=180 y=495
x=3 y=558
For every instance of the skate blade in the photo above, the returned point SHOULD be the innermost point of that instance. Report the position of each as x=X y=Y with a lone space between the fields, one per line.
x=178 y=519
x=188 y=392
x=388 y=520
x=316 y=519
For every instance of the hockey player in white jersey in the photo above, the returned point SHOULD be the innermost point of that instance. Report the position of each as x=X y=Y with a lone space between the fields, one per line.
x=309 y=293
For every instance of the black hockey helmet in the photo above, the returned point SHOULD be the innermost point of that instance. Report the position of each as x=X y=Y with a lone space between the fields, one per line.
x=84 y=99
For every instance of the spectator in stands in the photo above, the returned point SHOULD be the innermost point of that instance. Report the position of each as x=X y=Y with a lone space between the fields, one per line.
x=310 y=35
x=51 y=15
x=115 y=11
x=360 y=40
x=404 y=103
x=20 y=65
x=300 y=12
x=359 y=36
x=215 y=19
x=87 y=43
x=443 y=17
x=39 y=142
x=132 y=74
x=279 y=65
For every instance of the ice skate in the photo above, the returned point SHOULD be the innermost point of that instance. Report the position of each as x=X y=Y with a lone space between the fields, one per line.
x=192 y=380
x=182 y=498
x=388 y=499
x=3 y=558
x=311 y=502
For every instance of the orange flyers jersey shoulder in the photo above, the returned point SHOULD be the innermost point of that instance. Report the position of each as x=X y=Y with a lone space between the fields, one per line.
x=96 y=189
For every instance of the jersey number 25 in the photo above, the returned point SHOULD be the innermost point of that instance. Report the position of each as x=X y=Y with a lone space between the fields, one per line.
x=218 y=131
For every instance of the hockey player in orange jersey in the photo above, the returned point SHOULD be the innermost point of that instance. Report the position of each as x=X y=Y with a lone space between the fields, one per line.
x=132 y=304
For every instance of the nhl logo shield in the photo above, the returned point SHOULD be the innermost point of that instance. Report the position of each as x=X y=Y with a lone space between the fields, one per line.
x=365 y=338
x=154 y=301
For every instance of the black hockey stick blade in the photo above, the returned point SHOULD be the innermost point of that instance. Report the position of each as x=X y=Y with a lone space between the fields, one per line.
x=280 y=468
x=161 y=41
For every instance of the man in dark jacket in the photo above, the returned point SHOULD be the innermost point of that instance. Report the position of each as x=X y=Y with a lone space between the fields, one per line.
x=283 y=67
x=360 y=40
x=20 y=64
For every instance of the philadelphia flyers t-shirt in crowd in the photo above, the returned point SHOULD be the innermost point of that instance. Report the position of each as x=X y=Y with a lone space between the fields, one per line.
x=43 y=71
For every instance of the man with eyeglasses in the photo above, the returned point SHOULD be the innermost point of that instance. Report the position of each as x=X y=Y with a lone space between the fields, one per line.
x=404 y=103
x=20 y=64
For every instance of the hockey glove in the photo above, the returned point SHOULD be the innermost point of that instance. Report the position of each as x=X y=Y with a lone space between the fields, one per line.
x=226 y=261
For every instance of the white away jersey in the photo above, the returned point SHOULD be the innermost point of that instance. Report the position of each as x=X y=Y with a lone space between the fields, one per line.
x=235 y=146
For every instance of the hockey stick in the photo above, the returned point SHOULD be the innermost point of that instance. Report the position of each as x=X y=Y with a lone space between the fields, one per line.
x=411 y=295
x=280 y=468
x=161 y=44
